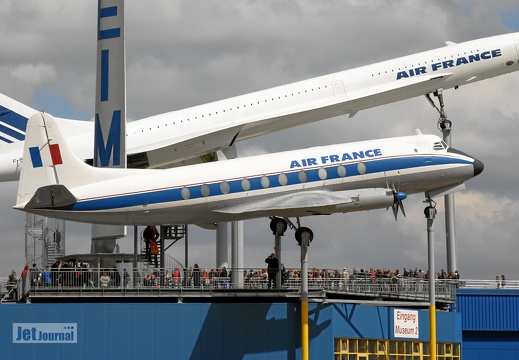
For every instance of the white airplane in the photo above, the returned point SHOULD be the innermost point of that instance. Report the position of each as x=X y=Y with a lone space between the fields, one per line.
x=175 y=137
x=342 y=178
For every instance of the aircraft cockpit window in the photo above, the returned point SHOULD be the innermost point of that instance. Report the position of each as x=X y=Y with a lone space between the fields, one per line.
x=440 y=145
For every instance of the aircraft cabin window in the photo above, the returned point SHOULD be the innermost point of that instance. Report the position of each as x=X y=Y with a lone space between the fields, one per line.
x=245 y=184
x=341 y=171
x=205 y=190
x=323 y=174
x=186 y=193
x=225 y=187
x=283 y=179
x=265 y=182
x=302 y=176
x=361 y=168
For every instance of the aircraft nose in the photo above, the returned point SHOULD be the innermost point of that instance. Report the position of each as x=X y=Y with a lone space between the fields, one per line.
x=478 y=167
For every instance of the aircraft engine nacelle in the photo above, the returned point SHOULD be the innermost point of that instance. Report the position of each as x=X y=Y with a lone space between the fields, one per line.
x=368 y=199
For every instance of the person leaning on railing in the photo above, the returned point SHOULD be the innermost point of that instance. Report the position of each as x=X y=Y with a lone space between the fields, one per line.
x=12 y=283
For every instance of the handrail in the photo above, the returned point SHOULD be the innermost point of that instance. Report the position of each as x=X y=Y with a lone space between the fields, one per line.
x=488 y=284
x=77 y=279
x=256 y=279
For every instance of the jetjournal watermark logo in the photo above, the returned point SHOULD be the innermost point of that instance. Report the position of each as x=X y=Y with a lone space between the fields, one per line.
x=44 y=333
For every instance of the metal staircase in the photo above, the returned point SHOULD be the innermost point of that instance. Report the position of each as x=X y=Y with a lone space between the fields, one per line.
x=171 y=232
x=44 y=240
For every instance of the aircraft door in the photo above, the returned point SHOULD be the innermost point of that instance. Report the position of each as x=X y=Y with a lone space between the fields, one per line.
x=517 y=46
x=338 y=88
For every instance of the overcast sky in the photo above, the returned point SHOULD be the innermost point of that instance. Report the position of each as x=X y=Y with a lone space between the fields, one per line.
x=185 y=53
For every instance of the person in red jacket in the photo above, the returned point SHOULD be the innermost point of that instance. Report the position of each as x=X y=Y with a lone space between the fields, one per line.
x=154 y=252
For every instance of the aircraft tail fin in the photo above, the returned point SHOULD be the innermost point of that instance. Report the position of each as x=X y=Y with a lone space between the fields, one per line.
x=13 y=119
x=50 y=168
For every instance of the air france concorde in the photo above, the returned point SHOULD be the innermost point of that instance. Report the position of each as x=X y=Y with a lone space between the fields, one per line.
x=188 y=134
x=341 y=178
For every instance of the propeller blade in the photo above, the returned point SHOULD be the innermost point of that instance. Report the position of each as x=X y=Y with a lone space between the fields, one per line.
x=398 y=204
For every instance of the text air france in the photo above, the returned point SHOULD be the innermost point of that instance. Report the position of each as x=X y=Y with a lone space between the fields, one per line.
x=335 y=158
x=462 y=60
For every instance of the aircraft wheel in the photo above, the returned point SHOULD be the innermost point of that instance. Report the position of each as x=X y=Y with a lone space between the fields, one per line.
x=278 y=226
x=303 y=232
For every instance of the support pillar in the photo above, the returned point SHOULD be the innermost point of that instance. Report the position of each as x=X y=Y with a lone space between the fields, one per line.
x=450 y=229
x=222 y=245
x=237 y=254
x=430 y=213
x=305 y=244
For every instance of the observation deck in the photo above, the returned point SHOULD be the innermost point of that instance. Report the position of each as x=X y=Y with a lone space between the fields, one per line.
x=74 y=285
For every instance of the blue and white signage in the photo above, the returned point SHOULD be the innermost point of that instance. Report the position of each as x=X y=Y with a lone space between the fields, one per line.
x=44 y=333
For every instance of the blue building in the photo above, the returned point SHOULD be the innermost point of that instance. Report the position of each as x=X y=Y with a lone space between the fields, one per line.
x=363 y=320
x=217 y=331
x=490 y=323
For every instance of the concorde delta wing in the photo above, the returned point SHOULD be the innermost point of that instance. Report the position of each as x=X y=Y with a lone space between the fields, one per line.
x=393 y=91
x=317 y=202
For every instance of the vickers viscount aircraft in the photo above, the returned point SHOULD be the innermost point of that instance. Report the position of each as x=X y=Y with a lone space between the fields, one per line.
x=343 y=178
x=175 y=137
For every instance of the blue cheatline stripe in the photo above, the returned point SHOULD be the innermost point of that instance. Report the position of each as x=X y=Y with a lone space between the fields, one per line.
x=174 y=194
x=35 y=157
x=13 y=119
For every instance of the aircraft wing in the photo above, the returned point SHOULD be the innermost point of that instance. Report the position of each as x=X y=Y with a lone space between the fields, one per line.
x=392 y=92
x=162 y=149
x=317 y=202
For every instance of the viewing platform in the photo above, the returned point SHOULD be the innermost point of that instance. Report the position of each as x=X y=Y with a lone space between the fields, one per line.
x=167 y=285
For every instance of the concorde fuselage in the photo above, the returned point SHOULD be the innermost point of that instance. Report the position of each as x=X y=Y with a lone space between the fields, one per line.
x=169 y=138
x=345 y=92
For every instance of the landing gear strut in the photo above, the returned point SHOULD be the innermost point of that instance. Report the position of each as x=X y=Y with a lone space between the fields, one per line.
x=278 y=226
x=445 y=126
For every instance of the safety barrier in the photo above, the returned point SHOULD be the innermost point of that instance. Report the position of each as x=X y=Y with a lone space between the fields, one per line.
x=150 y=281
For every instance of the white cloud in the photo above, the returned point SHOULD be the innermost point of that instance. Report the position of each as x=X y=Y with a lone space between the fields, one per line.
x=34 y=74
x=185 y=53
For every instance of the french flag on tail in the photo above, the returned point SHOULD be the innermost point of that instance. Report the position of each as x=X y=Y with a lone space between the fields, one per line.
x=55 y=155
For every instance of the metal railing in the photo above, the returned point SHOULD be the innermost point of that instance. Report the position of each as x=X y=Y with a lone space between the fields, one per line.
x=146 y=281
x=78 y=280
x=488 y=284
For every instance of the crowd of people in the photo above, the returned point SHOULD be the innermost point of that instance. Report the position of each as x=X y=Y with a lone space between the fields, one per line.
x=80 y=275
